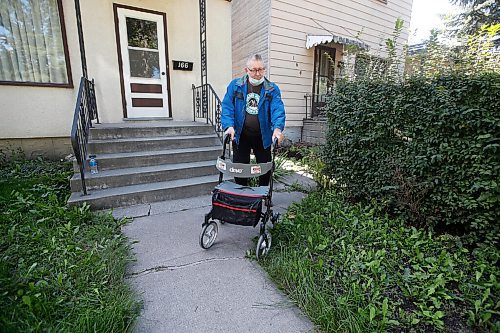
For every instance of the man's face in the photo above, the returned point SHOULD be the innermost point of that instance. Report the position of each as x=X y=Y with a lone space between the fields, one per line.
x=255 y=69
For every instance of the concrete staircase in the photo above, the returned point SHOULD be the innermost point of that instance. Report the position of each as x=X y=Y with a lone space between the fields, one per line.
x=146 y=161
x=314 y=130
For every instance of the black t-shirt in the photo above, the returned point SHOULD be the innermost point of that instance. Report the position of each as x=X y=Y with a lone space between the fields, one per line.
x=252 y=125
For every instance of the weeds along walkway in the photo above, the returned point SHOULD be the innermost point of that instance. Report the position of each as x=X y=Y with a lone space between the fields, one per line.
x=187 y=289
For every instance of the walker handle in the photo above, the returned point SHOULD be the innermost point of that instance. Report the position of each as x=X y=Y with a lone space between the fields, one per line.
x=225 y=142
x=275 y=144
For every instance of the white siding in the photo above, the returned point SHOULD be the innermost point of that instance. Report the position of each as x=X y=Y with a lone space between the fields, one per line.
x=250 y=31
x=291 y=64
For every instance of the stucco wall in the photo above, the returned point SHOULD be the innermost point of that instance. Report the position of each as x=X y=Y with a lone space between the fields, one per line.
x=183 y=33
x=31 y=112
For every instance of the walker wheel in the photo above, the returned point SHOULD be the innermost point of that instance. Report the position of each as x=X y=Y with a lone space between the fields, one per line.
x=208 y=235
x=263 y=245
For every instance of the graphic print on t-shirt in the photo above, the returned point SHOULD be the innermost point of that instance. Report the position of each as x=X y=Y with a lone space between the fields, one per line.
x=253 y=103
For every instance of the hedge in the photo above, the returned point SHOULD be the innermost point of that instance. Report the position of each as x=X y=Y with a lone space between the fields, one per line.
x=426 y=149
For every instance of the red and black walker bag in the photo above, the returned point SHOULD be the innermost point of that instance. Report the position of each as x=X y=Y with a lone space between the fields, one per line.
x=236 y=204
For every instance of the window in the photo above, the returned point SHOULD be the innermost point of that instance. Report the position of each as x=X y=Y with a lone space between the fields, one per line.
x=33 y=47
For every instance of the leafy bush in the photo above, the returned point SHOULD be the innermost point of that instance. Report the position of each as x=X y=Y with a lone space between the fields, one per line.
x=426 y=148
x=61 y=269
x=310 y=157
x=352 y=271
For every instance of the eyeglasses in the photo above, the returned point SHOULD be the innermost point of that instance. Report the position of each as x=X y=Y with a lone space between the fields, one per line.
x=257 y=70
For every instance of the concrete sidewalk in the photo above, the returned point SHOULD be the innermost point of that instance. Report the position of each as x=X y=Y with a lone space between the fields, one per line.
x=187 y=289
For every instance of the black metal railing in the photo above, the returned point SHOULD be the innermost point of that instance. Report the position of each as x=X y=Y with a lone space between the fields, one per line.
x=85 y=113
x=207 y=105
x=314 y=105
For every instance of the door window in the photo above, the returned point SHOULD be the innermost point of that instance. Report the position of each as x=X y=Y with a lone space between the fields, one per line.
x=143 y=48
x=324 y=75
x=324 y=71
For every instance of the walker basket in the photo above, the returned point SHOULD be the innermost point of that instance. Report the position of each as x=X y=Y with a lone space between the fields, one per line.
x=236 y=204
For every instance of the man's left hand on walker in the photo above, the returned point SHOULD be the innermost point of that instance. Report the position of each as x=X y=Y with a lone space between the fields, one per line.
x=278 y=135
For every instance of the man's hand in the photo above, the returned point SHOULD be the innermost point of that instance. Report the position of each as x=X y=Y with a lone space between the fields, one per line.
x=278 y=135
x=230 y=131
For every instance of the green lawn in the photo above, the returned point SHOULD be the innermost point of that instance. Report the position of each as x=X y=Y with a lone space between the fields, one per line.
x=61 y=269
x=351 y=271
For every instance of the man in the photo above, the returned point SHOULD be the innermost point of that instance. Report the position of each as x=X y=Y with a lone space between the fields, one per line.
x=253 y=115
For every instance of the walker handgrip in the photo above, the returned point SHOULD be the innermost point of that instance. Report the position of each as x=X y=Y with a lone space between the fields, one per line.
x=225 y=142
x=275 y=143
x=226 y=139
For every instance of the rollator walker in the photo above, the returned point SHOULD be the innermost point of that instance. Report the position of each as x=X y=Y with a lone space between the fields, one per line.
x=238 y=204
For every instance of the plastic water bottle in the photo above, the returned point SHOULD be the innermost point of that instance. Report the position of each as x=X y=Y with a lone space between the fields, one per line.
x=93 y=164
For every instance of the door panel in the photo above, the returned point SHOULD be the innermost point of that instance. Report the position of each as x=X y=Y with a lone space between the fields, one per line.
x=144 y=64
x=324 y=75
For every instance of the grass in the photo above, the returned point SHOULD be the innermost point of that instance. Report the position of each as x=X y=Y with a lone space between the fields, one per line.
x=61 y=269
x=351 y=271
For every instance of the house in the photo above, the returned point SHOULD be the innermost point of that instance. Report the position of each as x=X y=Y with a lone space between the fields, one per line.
x=303 y=44
x=144 y=57
x=141 y=72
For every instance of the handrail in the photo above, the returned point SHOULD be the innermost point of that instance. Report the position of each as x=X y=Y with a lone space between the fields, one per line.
x=207 y=105
x=314 y=105
x=85 y=113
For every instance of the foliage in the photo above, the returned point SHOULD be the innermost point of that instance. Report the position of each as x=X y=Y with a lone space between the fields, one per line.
x=61 y=269
x=477 y=55
x=427 y=149
x=279 y=170
x=310 y=156
x=362 y=64
x=476 y=14
x=351 y=271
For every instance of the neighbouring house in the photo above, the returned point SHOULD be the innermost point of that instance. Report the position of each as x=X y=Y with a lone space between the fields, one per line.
x=144 y=57
x=303 y=44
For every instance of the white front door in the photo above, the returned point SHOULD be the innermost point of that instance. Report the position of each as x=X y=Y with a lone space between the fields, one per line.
x=144 y=63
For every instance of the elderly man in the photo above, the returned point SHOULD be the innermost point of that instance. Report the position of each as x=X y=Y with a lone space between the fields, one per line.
x=253 y=115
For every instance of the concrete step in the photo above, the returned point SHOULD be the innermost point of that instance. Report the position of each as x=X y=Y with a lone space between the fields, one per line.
x=128 y=145
x=314 y=131
x=145 y=129
x=142 y=175
x=158 y=157
x=145 y=193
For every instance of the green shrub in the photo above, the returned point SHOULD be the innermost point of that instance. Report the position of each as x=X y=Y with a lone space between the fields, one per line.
x=352 y=271
x=427 y=148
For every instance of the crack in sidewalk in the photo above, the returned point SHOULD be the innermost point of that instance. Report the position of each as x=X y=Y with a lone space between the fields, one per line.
x=162 y=268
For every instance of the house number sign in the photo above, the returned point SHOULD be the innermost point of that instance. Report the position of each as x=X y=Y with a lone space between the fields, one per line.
x=183 y=65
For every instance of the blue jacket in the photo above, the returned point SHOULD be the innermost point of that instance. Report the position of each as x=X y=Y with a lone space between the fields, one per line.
x=271 y=109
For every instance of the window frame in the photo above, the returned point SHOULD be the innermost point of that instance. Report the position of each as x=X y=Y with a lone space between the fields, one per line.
x=66 y=57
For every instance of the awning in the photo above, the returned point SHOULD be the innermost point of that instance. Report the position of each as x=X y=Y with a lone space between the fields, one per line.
x=313 y=40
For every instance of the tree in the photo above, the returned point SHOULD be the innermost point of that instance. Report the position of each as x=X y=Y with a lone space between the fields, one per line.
x=476 y=14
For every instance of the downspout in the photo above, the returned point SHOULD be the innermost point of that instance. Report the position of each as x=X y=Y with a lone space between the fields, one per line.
x=203 y=59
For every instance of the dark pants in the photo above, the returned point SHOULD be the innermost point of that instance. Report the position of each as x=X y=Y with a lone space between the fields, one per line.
x=242 y=155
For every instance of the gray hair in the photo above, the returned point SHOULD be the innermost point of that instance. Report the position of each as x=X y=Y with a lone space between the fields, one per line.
x=255 y=57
